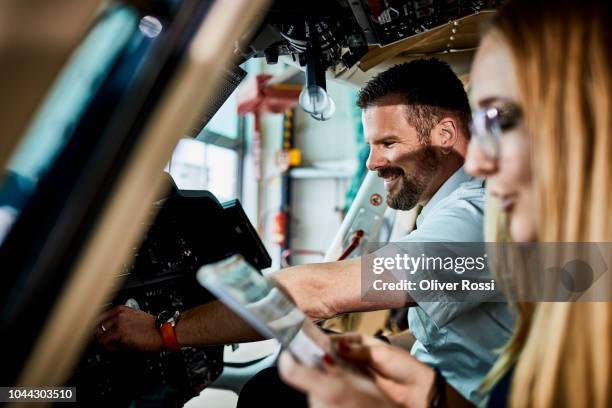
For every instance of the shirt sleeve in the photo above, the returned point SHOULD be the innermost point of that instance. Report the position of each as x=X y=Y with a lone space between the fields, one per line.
x=462 y=221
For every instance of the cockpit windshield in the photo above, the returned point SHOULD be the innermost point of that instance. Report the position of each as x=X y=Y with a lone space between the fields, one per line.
x=54 y=124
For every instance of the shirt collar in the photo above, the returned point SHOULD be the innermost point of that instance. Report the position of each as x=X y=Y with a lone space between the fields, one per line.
x=450 y=185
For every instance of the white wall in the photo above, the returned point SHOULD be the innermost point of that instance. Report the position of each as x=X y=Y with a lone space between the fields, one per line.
x=333 y=139
x=317 y=202
x=315 y=217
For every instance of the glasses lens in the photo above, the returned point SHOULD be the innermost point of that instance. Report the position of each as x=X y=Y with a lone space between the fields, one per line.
x=485 y=131
x=508 y=117
x=489 y=124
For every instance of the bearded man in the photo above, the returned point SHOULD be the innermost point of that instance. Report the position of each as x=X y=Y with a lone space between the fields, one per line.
x=415 y=119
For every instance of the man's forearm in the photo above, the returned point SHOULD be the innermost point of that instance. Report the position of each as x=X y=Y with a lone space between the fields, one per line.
x=326 y=290
x=211 y=324
x=214 y=323
x=321 y=291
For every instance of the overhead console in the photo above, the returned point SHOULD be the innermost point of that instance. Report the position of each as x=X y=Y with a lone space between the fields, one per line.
x=385 y=22
x=342 y=30
x=321 y=34
x=191 y=229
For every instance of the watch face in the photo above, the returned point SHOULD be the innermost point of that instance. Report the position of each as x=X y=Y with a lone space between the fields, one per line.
x=165 y=317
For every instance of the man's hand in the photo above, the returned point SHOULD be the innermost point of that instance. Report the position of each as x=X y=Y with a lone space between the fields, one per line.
x=122 y=326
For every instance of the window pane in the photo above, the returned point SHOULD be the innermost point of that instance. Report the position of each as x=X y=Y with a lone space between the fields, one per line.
x=197 y=165
x=188 y=165
x=53 y=127
x=222 y=165
x=225 y=121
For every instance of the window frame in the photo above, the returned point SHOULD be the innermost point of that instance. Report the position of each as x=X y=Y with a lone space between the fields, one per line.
x=236 y=144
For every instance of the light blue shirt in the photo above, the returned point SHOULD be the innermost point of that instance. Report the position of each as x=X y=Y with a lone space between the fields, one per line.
x=459 y=338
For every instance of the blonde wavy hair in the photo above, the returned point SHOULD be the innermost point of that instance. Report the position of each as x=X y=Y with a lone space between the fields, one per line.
x=562 y=352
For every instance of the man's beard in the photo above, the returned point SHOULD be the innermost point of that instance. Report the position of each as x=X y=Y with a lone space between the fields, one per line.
x=408 y=196
x=412 y=186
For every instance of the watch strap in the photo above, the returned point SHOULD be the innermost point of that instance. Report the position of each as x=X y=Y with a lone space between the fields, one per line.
x=169 y=337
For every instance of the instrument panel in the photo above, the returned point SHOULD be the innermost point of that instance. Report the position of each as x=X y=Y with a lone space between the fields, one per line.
x=190 y=229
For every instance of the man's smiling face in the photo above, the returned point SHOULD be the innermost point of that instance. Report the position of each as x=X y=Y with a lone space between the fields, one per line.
x=402 y=157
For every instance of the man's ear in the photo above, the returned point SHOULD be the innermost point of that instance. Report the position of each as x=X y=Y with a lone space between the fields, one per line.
x=445 y=134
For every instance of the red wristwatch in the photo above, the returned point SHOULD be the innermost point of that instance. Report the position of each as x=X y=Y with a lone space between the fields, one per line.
x=166 y=321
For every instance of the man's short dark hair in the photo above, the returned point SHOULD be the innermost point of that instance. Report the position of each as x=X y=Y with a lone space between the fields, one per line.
x=430 y=89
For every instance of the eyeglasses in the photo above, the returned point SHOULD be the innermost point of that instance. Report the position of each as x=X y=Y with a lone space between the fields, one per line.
x=489 y=124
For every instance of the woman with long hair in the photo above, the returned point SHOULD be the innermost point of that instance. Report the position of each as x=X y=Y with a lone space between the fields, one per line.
x=548 y=64
x=542 y=135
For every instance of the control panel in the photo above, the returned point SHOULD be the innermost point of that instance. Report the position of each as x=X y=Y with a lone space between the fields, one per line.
x=190 y=229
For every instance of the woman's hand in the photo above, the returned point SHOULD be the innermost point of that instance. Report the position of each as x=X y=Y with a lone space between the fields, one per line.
x=332 y=386
x=395 y=377
x=403 y=378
